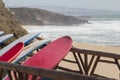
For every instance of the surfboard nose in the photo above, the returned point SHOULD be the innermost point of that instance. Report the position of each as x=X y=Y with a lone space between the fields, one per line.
x=66 y=40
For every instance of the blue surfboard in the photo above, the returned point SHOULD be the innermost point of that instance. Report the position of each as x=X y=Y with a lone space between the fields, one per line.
x=25 y=39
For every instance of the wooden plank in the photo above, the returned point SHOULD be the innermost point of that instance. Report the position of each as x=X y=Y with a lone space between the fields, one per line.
x=116 y=61
x=97 y=53
x=106 y=61
x=90 y=63
x=77 y=61
x=52 y=74
x=95 y=64
x=86 y=63
x=69 y=61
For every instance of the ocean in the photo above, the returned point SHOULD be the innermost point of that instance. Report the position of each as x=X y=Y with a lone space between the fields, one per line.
x=102 y=30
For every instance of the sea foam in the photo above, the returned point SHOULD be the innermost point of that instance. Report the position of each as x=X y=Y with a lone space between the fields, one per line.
x=97 y=32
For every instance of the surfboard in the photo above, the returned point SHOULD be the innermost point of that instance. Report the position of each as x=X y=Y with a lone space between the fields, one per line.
x=5 y=37
x=30 y=48
x=12 y=53
x=51 y=55
x=1 y=33
x=25 y=39
x=30 y=37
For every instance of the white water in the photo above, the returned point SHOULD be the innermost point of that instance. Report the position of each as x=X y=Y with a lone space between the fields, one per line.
x=98 y=32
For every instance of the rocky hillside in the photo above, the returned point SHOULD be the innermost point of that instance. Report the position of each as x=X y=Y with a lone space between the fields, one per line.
x=8 y=24
x=33 y=16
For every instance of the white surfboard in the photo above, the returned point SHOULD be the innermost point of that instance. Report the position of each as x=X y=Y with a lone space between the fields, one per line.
x=30 y=48
x=5 y=37
x=1 y=33
x=25 y=39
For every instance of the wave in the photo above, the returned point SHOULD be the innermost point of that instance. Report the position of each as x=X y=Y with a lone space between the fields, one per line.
x=98 y=32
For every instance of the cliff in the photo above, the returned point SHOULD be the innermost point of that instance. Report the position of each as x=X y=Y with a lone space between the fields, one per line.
x=33 y=16
x=8 y=24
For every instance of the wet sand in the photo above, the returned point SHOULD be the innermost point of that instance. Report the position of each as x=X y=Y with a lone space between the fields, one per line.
x=105 y=69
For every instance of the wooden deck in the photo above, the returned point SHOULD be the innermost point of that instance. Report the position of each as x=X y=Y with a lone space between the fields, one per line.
x=85 y=72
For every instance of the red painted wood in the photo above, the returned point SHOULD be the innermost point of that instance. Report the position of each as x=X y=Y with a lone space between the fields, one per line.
x=12 y=53
x=51 y=55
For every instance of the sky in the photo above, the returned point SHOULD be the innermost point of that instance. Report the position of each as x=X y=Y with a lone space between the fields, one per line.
x=89 y=4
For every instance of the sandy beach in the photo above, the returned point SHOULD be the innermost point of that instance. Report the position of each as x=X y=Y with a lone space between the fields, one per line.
x=105 y=69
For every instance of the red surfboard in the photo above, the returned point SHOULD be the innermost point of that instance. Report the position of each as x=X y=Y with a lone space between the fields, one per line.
x=12 y=53
x=51 y=55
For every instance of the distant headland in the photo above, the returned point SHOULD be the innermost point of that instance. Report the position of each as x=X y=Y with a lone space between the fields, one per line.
x=34 y=16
